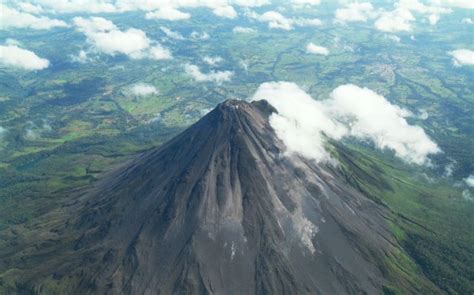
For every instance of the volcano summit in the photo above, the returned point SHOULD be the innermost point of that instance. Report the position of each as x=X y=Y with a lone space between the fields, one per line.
x=220 y=210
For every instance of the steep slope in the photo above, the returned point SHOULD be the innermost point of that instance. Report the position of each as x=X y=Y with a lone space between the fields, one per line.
x=220 y=210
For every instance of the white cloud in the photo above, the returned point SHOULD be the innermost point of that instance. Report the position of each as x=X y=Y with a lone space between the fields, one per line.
x=394 y=38
x=168 y=13
x=307 y=22
x=372 y=117
x=249 y=3
x=467 y=195
x=142 y=89
x=467 y=20
x=199 y=36
x=12 y=18
x=276 y=20
x=11 y=41
x=30 y=8
x=75 y=6
x=225 y=11
x=350 y=111
x=131 y=42
x=108 y=39
x=316 y=49
x=469 y=180
x=397 y=20
x=433 y=19
x=159 y=52
x=213 y=76
x=306 y=2
x=117 y=6
x=243 y=30
x=16 y=57
x=212 y=60
x=3 y=131
x=466 y=4
x=172 y=34
x=400 y=19
x=301 y=121
x=94 y=24
x=355 y=12
x=81 y=57
x=416 y=6
x=34 y=131
x=463 y=57
x=423 y=115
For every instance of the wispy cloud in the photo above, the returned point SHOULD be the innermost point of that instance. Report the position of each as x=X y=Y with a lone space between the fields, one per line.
x=171 y=34
x=199 y=35
x=213 y=76
x=212 y=60
x=276 y=20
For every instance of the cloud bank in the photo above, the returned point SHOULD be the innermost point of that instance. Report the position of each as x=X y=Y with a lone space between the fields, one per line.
x=16 y=57
x=463 y=57
x=105 y=37
x=351 y=111
x=213 y=76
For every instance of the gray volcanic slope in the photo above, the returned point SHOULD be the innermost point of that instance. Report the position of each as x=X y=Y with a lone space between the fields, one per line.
x=220 y=210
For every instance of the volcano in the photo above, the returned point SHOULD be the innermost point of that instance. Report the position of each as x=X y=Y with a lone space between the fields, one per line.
x=220 y=209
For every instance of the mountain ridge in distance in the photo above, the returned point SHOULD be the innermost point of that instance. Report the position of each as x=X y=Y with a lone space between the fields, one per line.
x=220 y=210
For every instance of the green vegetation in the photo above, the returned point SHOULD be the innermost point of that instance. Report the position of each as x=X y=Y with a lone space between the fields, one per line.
x=431 y=223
